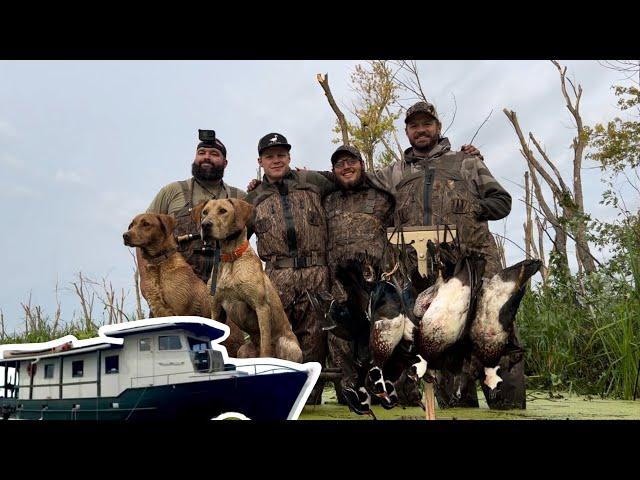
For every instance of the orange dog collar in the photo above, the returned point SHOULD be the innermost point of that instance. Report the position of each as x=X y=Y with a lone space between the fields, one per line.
x=236 y=254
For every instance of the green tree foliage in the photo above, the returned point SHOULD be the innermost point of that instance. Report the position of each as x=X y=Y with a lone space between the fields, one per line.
x=377 y=92
x=617 y=144
x=583 y=332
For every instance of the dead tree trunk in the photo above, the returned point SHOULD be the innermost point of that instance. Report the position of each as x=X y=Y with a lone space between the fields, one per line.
x=323 y=80
x=560 y=241
x=528 y=225
x=544 y=270
x=573 y=221
x=579 y=144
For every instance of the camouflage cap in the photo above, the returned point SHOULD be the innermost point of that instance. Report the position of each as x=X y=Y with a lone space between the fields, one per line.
x=272 y=140
x=421 y=107
x=345 y=149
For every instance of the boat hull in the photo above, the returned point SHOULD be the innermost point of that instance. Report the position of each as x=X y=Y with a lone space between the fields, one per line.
x=258 y=397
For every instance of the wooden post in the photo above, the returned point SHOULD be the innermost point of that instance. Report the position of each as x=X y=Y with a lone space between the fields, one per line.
x=429 y=401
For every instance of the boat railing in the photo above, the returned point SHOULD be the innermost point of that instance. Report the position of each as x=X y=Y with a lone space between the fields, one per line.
x=229 y=370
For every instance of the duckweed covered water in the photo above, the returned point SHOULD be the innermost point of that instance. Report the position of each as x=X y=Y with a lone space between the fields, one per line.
x=540 y=406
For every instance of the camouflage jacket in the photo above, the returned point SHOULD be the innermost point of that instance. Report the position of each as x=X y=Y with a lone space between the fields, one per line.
x=288 y=218
x=178 y=199
x=357 y=221
x=452 y=188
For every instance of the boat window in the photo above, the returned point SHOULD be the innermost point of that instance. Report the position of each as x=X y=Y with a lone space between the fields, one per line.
x=169 y=342
x=48 y=370
x=111 y=364
x=196 y=345
x=145 y=344
x=77 y=368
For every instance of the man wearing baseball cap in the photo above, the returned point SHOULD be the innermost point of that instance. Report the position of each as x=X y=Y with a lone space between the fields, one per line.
x=436 y=186
x=358 y=215
x=291 y=230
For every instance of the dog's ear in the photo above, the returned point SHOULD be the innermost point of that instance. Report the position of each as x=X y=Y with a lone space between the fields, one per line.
x=196 y=212
x=243 y=212
x=167 y=223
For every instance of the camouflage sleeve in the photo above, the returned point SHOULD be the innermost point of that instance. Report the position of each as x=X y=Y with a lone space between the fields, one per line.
x=322 y=180
x=250 y=223
x=242 y=195
x=385 y=177
x=250 y=198
x=494 y=201
x=162 y=200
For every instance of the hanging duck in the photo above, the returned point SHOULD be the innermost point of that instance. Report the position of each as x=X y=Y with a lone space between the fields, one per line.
x=498 y=304
x=447 y=308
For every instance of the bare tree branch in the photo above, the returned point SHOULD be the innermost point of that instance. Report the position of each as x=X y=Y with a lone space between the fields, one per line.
x=136 y=281
x=563 y=185
x=481 y=125
x=528 y=226
x=530 y=158
x=455 y=110
x=389 y=149
x=395 y=136
x=323 y=80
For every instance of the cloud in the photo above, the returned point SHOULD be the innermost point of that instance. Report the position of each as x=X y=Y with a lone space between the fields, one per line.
x=11 y=161
x=69 y=176
x=7 y=130
x=18 y=192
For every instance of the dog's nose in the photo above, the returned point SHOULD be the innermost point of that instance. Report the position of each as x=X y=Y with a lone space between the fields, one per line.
x=126 y=237
x=206 y=225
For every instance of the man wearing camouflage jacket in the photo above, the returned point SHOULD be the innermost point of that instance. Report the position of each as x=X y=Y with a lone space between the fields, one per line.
x=436 y=186
x=291 y=229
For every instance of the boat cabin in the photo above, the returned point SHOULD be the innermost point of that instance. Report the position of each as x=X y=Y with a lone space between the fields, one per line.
x=149 y=353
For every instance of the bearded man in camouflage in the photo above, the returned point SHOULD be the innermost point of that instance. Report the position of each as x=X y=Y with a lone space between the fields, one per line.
x=358 y=215
x=436 y=186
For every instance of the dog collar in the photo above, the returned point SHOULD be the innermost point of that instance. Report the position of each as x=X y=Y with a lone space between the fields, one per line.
x=236 y=254
x=161 y=257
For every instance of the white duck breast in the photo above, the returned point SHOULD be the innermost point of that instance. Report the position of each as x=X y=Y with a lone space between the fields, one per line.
x=497 y=309
x=487 y=333
x=385 y=336
x=425 y=298
x=443 y=323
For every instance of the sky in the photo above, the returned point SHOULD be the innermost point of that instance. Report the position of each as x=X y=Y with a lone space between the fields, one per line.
x=86 y=145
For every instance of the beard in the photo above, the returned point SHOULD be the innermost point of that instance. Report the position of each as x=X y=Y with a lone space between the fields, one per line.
x=350 y=184
x=213 y=173
x=426 y=147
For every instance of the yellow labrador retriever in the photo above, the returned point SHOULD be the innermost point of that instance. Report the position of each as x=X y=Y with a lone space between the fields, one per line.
x=242 y=288
x=168 y=282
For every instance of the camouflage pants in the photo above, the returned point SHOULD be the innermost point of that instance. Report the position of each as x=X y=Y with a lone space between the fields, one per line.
x=292 y=285
x=459 y=390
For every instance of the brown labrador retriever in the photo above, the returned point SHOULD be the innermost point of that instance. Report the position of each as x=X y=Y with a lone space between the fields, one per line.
x=168 y=282
x=243 y=290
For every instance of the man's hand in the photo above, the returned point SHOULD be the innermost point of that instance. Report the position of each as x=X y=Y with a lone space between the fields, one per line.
x=470 y=150
x=253 y=184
